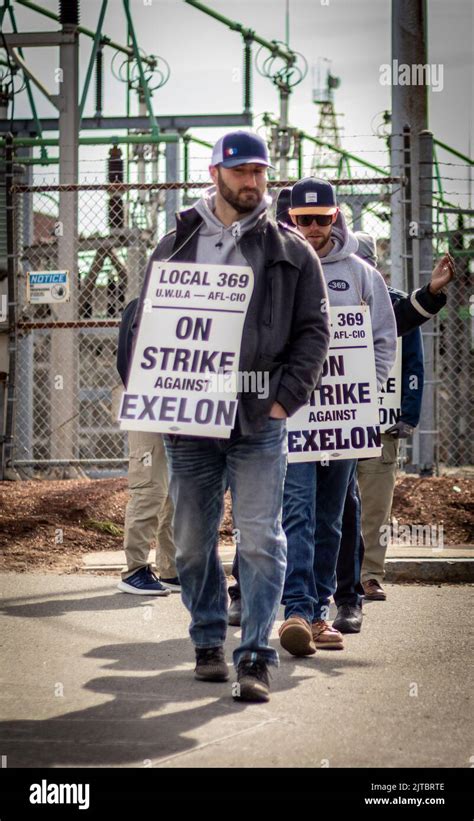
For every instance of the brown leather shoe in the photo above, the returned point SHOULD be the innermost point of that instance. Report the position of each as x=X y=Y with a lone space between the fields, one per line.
x=373 y=590
x=296 y=637
x=326 y=637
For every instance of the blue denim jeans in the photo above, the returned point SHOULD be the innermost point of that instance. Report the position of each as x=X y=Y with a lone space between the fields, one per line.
x=254 y=467
x=313 y=506
x=351 y=553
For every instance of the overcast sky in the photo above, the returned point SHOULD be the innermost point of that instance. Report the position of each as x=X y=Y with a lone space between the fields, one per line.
x=206 y=58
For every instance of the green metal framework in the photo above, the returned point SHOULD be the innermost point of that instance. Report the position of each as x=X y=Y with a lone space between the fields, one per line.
x=148 y=62
x=8 y=7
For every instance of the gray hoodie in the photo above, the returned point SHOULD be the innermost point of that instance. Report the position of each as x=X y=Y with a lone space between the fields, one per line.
x=367 y=248
x=218 y=244
x=351 y=281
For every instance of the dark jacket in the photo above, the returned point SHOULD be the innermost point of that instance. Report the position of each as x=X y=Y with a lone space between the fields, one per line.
x=412 y=365
x=413 y=310
x=286 y=330
x=410 y=312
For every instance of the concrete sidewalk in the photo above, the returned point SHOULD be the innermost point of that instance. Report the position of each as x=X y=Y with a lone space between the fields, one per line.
x=94 y=677
x=403 y=564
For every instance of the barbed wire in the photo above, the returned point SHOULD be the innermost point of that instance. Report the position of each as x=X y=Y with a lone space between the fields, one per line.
x=453 y=179
x=457 y=164
x=117 y=187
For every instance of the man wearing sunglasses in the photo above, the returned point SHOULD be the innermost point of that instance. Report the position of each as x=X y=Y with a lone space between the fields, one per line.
x=410 y=311
x=315 y=493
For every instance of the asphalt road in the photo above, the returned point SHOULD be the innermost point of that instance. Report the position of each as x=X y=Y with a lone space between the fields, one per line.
x=94 y=677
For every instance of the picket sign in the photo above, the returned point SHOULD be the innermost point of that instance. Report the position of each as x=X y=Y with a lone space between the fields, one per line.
x=184 y=372
x=390 y=397
x=341 y=420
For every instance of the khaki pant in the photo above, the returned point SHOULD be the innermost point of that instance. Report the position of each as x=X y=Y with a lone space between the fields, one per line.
x=149 y=512
x=376 y=479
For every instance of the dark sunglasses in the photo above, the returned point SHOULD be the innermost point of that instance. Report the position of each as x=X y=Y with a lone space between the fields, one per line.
x=305 y=220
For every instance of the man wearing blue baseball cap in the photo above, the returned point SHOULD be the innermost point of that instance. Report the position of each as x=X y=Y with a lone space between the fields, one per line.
x=285 y=336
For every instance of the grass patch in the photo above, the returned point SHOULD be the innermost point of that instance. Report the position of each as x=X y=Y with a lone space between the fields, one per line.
x=104 y=527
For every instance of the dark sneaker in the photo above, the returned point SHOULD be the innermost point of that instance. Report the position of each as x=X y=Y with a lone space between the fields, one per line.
x=373 y=590
x=171 y=584
x=253 y=681
x=234 y=613
x=348 y=619
x=143 y=583
x=211 y=664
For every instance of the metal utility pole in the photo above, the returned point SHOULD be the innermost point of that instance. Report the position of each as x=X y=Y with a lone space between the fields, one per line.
x=409 y=111
x=24 y=386
x=64 y=342
x=410 y=115
x=172 y=198
x=284 y=137
x=424 y=441
x=7 y=383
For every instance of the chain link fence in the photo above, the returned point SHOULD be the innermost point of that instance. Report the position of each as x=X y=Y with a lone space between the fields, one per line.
x=66 y=379
x=66 y=384
x=454 y=233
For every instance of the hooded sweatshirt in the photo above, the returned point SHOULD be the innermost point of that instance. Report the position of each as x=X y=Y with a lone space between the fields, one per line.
x=219 y=244
x=351 y=281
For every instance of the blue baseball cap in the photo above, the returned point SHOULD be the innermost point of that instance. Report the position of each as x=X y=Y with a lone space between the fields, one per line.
x=313 y=196
x=238 y=148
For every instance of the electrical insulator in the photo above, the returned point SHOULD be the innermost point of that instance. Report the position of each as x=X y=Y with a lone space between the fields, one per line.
x=4 y=100
x=99 y=74
x=115 y=209
x=69 y=12
x=115 y=164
